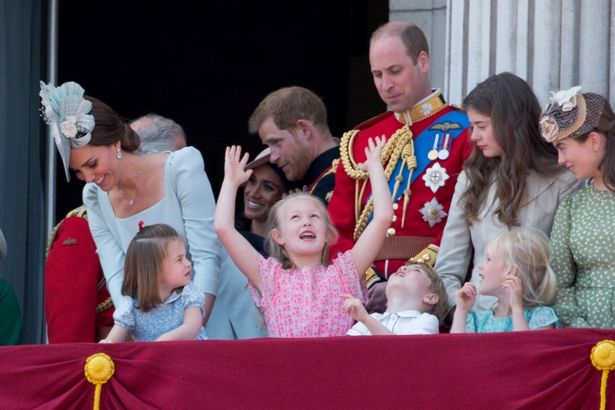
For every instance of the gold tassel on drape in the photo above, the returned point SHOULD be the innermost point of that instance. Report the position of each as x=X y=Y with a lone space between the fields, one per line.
x=603 y=359
x=99 y=368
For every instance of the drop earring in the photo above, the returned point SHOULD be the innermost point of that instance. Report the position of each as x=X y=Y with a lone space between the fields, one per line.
x=118 y=153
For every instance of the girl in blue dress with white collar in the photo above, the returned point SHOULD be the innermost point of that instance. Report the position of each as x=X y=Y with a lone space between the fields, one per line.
x=165 y=303
x=516 y=270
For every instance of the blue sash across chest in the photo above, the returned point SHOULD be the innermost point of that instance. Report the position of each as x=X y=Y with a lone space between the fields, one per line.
x=452 y=123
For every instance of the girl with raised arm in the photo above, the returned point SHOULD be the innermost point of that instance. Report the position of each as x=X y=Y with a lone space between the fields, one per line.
x=297 y=288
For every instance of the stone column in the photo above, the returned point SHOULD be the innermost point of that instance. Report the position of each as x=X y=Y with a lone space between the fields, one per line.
x=553 y=44
x=429 y=15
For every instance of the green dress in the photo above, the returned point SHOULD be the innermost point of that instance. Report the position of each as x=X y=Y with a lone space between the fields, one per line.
x=10 y=316
x=583 y=259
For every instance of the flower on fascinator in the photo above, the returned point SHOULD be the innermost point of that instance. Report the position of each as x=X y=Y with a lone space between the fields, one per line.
x=69 y=126
x=548 y=128
x=66 y=108
x=567 y=99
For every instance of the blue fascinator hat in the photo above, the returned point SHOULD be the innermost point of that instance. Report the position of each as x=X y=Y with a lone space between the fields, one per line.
x=67 y=113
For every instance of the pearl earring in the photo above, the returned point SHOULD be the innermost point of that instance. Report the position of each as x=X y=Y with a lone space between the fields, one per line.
x=118 y=153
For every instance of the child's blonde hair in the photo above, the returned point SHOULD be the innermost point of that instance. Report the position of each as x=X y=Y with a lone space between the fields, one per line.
x=143 y=263
x=529 y=253
x=436 y=286
x=276 y=250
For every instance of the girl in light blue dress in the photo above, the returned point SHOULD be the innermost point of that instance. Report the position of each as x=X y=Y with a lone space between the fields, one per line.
x=165 y=304
x=516 y=271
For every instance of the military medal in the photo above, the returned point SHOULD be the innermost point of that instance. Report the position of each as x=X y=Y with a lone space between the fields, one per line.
x=433 y=154
x=433 y=212
x=435 y=177
x=444 y=152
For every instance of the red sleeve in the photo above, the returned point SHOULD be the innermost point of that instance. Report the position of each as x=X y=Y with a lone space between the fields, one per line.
x=72 y=271
x=341 y=210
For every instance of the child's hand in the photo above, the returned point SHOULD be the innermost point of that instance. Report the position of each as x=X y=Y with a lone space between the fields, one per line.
x=466 y=296
x=235 y=164
x=372 y=152
x=106 y=341
x=514 y=287
x=354 y=308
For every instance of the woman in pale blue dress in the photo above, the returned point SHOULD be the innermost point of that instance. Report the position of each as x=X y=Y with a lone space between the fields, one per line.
x=125 y=189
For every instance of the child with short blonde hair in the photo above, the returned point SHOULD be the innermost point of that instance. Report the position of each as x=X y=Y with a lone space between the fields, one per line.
x=516 y=270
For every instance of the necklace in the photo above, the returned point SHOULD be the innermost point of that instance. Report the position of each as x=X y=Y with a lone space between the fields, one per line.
x=129 y=200
x=126 y=198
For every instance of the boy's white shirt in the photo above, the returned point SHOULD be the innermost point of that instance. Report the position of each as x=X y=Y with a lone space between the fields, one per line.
x=407 y=322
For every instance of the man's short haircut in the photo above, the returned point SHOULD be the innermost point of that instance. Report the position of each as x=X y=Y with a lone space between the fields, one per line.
x=410 y=34
x=159 y=134
x=288 y=105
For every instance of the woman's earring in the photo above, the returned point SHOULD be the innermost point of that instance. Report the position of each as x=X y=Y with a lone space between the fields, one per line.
x=118 y=153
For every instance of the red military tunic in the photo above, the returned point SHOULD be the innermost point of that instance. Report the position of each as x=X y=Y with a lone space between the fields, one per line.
x=420 y=204
x=77 y=303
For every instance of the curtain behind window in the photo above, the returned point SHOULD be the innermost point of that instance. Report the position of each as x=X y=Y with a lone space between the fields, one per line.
x=22 y=147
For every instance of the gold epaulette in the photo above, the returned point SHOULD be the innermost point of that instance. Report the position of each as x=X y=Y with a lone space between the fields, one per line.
x=427 y=256
x=334 y=165
x=80 y=212
x=330 y=171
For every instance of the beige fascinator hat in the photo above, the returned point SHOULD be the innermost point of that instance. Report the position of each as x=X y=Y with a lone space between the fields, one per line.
x=570 y=114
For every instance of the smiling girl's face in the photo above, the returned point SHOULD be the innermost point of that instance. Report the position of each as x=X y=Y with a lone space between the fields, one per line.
x=492 y=272
x=263 y=189
x=303 y=230
x=582 y=158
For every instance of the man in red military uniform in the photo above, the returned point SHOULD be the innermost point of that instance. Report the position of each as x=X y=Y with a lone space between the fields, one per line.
x=78 y=306
x=427 y=143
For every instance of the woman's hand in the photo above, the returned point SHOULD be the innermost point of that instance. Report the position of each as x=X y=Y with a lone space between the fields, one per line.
x=466 y=296
x=373 y=152
x=235 y=164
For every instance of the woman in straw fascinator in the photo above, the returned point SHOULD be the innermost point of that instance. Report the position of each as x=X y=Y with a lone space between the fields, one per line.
x=126 y=189
x=582 y=128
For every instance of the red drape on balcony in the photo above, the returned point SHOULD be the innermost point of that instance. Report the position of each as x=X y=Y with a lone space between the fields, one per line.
x=530 y=370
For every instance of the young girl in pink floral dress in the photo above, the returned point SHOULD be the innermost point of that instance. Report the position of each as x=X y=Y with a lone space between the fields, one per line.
x=297 y=289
